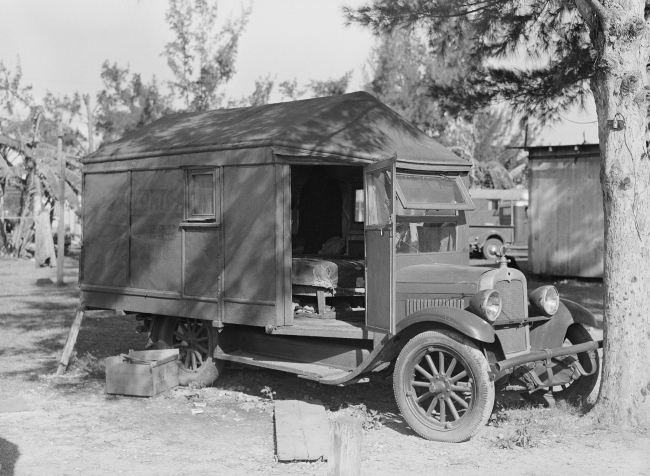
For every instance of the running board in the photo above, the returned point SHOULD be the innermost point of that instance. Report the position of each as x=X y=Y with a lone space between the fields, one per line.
x=302 y=369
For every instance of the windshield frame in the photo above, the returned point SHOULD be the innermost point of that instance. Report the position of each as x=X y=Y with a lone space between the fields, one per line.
x=468 y=205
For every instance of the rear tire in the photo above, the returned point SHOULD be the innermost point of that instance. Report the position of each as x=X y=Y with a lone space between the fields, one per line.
x=196 y=340
x=442 y=386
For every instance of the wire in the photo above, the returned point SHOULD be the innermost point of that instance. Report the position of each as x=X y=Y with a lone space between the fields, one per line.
x=576 y=122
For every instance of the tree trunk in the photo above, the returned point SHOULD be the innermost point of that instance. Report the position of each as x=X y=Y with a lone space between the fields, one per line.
x=621 y=38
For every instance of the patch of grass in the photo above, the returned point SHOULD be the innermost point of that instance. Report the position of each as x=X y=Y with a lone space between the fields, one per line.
x=522 y=425
x=88 y=366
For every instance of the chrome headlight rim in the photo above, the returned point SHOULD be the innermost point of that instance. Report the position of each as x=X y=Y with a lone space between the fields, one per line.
x=545 y=299
x=483 y=304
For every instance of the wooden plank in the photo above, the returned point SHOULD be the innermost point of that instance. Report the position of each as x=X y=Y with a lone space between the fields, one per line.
x=344 y=455
x=305 y=326
x=320 y=299
x=301 y=431
x=69 y=344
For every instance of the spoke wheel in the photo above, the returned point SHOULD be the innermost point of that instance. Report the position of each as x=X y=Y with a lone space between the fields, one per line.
x=196 y=341
x=442 y=386
x=578 y=390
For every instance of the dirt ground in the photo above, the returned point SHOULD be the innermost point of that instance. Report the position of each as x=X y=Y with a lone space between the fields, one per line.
x=73 y=427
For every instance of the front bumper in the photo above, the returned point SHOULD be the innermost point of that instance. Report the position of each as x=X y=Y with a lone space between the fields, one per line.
x=504 y=367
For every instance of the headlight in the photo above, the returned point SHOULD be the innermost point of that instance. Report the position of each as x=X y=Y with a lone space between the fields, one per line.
x=487 y=304
x=545 y=299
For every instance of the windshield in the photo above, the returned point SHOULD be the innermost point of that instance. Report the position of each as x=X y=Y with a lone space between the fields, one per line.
x=424 y=237
x=432 y=192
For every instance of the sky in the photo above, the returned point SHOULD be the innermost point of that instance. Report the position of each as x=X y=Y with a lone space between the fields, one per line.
x=63 y=43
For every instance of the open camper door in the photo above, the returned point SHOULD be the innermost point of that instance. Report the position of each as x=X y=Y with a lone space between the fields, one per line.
x=378 y=183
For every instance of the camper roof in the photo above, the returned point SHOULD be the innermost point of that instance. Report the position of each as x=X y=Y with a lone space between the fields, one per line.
x=355 y=128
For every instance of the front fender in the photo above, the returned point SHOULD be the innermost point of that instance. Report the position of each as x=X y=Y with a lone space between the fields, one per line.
x=551 y=334
x=464 y=322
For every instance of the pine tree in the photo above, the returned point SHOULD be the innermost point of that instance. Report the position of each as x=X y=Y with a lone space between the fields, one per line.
x=566 y=51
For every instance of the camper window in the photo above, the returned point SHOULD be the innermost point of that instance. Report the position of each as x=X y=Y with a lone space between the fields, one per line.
x=201 y=195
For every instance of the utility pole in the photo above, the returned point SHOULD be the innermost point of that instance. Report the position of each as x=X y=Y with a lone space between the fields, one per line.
x=60 y=239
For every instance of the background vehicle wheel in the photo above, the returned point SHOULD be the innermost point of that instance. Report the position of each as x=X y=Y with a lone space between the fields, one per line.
x=442 y=386
x=491 y=248
x=195 y=340
x=578 y=390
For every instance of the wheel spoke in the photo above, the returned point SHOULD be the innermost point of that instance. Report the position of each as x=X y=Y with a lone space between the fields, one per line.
x=443 y=412
x=423 y=372
x=441 y=362
x=460 y=401
x=457 y=377
x=179 y=335
x=461 y=388
x=450 y=369
x=187 y=359
x=194 y=366
x=201 y=348
x=452 y=408
x=198 y=357
x=432 y=406
x=202 y=339
x=424 y=396
x=431 y=365
x=415 y=383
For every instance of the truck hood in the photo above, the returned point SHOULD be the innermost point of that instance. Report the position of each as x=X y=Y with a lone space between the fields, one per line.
x=465 y=278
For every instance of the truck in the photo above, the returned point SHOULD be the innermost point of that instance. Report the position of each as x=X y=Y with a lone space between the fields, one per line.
x=499 y=219
x=326 y=238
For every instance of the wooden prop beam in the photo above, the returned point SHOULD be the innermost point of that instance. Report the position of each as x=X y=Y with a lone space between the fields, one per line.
x=70 y=343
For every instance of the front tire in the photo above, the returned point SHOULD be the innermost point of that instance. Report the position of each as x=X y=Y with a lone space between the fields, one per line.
x=442 y=386
x=196 y=340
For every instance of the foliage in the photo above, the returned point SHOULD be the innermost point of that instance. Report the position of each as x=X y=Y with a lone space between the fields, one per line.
x=549 y=37
x=201 y=58
x=401 y=67
x=260 y=96
x=125 y=104
x=315 y=88
x=28 y=154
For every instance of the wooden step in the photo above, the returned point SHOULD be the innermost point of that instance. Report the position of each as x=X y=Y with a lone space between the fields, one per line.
x=302 y=369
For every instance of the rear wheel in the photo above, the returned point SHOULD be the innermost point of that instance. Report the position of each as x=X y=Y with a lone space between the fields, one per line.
x=442 y=386
x=196 y=341
x=578 y=390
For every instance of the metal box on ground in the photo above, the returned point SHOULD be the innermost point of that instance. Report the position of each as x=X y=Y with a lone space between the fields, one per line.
x=142 y=373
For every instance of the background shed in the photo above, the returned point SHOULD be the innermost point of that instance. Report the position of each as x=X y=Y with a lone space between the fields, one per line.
x=566 y=211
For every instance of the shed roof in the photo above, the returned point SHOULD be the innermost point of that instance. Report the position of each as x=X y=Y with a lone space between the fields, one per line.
x=355 y=126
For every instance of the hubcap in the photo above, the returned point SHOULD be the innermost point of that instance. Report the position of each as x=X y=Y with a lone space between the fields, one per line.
x=442 y=389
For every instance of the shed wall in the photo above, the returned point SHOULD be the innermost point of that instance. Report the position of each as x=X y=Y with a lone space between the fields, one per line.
x=566 y=217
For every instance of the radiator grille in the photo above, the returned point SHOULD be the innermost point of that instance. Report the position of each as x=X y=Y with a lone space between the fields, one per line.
x=513 y=339
x=512 y=300
x=413 y=305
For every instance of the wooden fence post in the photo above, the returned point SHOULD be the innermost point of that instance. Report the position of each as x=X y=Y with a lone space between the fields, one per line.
x=72 y=340
x=60 y=235
x=344 y=458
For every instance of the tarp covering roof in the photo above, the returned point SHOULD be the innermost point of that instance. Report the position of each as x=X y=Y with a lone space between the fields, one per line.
x=355 y=125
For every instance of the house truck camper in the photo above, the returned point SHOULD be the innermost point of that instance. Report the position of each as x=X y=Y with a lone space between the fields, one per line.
x=326 y=238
